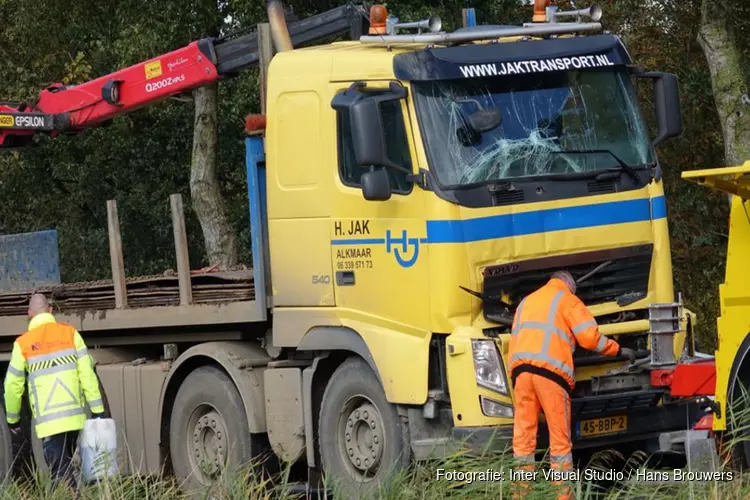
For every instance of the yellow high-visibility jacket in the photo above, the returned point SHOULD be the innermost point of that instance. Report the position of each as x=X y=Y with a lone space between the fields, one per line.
x=60 y=373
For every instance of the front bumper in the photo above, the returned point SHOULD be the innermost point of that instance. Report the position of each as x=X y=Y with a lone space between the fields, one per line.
x=643 y=424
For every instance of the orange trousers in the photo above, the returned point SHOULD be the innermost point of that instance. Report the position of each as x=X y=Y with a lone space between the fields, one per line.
x=534 y=393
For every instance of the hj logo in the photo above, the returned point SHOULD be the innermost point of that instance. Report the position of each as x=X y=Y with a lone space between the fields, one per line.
x=399 y=252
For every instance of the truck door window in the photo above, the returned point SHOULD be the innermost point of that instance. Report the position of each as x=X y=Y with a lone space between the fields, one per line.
x=396 y=142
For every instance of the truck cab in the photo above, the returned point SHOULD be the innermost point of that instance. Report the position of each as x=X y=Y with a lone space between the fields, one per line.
x=419 y=186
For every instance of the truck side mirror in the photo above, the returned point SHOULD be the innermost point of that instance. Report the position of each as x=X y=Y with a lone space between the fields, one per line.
x=376 y=186
x=366 y=122
x=667 y=103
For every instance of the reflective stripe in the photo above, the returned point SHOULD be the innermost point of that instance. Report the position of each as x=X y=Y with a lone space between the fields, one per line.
x=551 y=324
x=60 y=414
x=82 y=352
x=51 y=357
x=561 y=459
x=528 y=459
x=578 y=329
x=73 y=400
x=52 y=369
x=96 y=402
x=602 y=343
x=547 y=328
x=533 y=356
x=10 y=415
x=538 y=325
x=517 y=321
x=35 y=398
x=16 y=371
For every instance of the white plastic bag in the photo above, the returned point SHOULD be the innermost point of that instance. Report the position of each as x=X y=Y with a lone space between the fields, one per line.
x=98 y=447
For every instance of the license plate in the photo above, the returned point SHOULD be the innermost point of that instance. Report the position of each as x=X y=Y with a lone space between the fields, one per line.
x=602 y=426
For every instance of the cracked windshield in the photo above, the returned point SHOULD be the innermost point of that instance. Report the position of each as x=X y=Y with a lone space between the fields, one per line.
x=492 y=129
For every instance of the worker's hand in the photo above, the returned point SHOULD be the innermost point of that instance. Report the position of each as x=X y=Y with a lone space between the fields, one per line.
x=15 y=429
x=629 y=353
x=97 y=415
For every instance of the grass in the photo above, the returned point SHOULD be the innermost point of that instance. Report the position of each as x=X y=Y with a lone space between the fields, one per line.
x=438 y=480
x=424 y=481
x=421 y=482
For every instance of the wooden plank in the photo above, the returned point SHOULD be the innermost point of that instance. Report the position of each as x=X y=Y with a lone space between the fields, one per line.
x=265 y=53
x=181 y=250
x=115 y=256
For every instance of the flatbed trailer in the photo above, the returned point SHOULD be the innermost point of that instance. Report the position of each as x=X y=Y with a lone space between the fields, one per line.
x=154 y=303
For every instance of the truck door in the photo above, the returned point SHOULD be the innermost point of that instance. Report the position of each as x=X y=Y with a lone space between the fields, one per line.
x=379 y=252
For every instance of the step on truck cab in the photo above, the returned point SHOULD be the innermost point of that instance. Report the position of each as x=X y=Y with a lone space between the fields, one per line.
x=406 y=191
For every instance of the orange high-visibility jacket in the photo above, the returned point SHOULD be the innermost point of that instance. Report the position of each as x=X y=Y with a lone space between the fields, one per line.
x=548 y=325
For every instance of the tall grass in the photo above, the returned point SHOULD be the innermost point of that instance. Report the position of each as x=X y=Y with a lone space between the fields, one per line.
x=421 y=482
x=434 y=480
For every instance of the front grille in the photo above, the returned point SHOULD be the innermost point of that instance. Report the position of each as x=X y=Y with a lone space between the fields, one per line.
x=625 y=277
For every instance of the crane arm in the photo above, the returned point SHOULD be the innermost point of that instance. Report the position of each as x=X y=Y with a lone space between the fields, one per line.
x=62 y=109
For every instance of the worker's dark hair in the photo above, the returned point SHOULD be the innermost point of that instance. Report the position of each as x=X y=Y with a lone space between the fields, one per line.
x=566 y=278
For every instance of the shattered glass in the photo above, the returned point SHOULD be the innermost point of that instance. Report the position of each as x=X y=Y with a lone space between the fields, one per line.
x=551 y=123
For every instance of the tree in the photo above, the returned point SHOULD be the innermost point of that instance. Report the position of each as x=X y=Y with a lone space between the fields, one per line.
x=208 y=200
x=220 y=239
x=729 y=84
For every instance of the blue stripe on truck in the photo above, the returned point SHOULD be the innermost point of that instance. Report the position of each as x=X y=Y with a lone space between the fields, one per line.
x=539 y=221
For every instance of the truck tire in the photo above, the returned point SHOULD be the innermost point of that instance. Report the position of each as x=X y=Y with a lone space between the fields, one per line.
x=739 y=383
x=208 y=424
x=6 y=451
x=363 y=442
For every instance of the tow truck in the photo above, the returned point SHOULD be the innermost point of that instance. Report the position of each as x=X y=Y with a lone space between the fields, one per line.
x=406 y=190
x=732 y=377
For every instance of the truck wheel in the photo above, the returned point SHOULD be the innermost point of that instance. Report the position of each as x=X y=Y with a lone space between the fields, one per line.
x=362 y=440
x=208 y=429
x=738 y=405
x=6 y=451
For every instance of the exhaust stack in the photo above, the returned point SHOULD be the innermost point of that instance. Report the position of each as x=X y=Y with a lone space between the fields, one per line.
x=279 y=29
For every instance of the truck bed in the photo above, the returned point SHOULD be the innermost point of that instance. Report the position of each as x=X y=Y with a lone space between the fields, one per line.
x=152 y=301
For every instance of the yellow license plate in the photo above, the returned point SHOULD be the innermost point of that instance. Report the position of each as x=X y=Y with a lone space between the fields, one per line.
x=602 y=426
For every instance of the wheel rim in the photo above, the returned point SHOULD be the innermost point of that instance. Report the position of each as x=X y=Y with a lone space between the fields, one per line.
x=361 y=438
x=207 y=442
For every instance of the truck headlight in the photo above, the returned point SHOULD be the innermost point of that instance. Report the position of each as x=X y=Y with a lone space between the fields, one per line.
x=488 y=368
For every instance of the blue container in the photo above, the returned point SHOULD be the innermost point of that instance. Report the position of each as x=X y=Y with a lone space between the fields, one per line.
x=29 y=260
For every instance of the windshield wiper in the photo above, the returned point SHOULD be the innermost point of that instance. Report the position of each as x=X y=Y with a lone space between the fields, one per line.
x=622 y=165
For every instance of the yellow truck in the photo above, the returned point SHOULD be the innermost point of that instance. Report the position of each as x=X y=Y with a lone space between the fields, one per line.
x=733 y=343
x=406 y=190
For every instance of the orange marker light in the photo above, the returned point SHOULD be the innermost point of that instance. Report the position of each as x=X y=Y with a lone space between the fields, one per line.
x=255 y=124
x=540 y=10
x=378 y=16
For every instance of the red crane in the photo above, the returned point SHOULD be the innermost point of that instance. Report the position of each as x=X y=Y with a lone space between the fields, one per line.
x=70 y=109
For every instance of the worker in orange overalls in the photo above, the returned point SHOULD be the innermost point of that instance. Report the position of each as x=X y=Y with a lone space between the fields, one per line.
x=548 y=325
